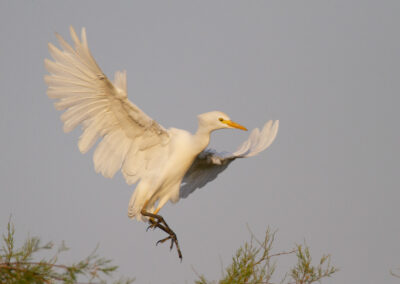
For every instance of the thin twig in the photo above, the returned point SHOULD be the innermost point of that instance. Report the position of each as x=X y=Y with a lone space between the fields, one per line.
x=283 y=253
x=273 y=255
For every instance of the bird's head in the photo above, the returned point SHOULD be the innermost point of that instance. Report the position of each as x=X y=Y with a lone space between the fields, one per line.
x=217 y=120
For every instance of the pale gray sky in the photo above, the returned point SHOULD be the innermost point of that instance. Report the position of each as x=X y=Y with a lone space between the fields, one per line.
x=328 y=70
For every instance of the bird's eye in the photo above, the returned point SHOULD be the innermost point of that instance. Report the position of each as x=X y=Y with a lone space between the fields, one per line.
x=220 y=119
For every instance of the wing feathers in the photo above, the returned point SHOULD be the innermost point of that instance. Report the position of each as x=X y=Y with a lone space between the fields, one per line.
x=70 y=101
x=120 y=81
x=103 y=110
x=258 y=141
x=78 y=113
x=210 y=163
x=110 y=153
x=59 y=93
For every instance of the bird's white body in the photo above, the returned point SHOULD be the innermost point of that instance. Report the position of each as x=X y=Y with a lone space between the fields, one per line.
x=164 y=184
x=166 y=164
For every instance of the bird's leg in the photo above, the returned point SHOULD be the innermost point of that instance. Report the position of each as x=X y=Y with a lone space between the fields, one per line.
x=157 y=221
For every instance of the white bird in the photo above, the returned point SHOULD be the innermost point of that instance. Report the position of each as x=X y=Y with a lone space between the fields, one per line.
x=167 y=164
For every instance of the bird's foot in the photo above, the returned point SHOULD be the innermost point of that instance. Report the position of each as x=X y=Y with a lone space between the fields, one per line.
x=157 y=221
x=153 y=224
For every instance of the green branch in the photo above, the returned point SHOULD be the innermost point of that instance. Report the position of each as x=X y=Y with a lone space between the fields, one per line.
x=17 y=265
x=252 y=264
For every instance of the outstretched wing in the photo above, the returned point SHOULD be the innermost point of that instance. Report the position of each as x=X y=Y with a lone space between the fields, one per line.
x=210 y=163
x=131 y=139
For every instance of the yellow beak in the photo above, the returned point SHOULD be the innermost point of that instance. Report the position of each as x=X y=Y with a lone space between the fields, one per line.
x=234 y=125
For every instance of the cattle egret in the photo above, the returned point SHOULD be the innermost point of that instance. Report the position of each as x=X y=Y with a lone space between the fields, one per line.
x=167 y=164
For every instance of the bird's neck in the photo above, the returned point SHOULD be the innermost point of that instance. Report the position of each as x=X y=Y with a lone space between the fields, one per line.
x=202 y=138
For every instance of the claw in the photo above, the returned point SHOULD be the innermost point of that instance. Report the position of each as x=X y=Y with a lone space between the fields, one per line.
x=163 y=240
x=170 y=237
x=158 y=221
x=152 y=226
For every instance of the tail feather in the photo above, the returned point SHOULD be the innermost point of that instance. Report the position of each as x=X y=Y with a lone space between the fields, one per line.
x=137 y=203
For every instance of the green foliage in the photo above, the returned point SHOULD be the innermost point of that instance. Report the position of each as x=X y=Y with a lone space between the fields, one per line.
x=254 y=263
x=17 y=265
x=304 y=272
